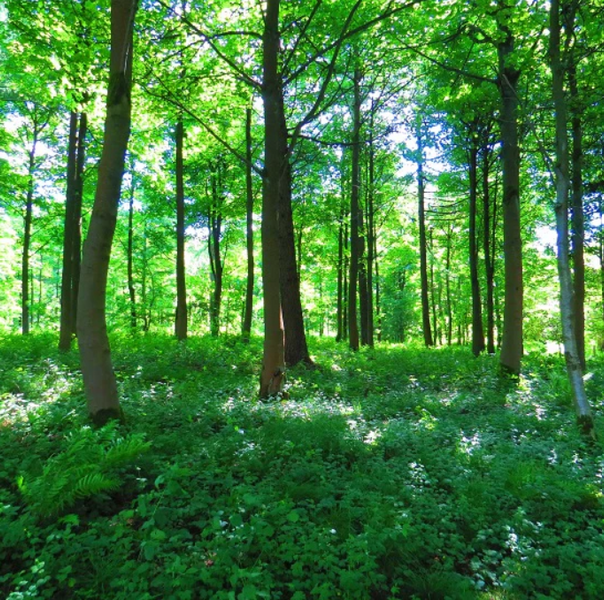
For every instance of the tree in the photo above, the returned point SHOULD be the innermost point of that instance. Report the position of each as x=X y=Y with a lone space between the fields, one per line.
x=97 y=371
x=562 y=180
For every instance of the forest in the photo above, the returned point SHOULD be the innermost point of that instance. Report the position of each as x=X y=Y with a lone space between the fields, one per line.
x=301 y=300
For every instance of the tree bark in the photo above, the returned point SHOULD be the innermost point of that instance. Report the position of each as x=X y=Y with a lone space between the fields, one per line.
x=571 y=353
x=273 y=368
x=249 y=192
x=180 y=325
x=97 y=371
x=477 y=331
x=511 y=349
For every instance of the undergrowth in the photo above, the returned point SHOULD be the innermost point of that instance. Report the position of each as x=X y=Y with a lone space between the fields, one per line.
x=389 y=473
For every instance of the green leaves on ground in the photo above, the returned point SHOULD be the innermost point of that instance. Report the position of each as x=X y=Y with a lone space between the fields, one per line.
x=394 y=473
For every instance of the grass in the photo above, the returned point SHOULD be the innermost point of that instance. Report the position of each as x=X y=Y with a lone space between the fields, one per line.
x=389 y=473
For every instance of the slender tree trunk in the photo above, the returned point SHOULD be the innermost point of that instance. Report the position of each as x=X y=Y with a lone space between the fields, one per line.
x=578 y=226
x=448 y=287
x=77 y=235
x=355 y=219
x=249 y=192
x=340 y=288
x=571 y=353
x=66 y=318
x=488 y=260
x=216 y=263
x=99 y=378
x=435 y=332
x=511 y=350
x=378 y=308
x=180 y=325
x=130 y=265
x=27 y=222
x=370 y=235
x=601 y=257
x=477 y=332
x=345 y=272
x=423 y=256
x=273 y=368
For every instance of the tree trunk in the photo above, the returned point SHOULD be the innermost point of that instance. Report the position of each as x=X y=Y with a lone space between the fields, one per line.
x=355 y=219
x=370 y=220
x=249 y=192
x=423 y=256
x=66 y=318
x=180 y=325
x=488 y=255
x=511 y=350
x=214 y=235
x=435 y=331
x=578 y=226
x=130 y=266
x=571 y=353
x=27 y=222
x=97 y=371
x=378 y=310
x=340 y=284
x=77 y=239
x=477 y=332
x=448 y=286
x=273 y=367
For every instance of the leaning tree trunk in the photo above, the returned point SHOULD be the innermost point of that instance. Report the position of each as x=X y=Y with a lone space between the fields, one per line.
x=97 y=371
x=571 y=353
x=511 y=348
x=180 y=325
x=249 y=233
x=477 y=331
x=273 y=367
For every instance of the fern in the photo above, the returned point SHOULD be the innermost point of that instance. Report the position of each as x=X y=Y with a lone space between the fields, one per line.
x=90 y=465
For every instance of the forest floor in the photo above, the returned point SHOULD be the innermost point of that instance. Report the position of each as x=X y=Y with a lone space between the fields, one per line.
x=391 y=473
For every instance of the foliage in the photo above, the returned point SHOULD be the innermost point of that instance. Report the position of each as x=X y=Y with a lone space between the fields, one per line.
x=425 y=476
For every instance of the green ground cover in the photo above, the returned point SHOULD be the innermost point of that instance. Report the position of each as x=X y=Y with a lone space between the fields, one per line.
x=393 y=473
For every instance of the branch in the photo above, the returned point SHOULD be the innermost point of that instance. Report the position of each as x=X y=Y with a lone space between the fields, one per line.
x=359 y=29
x=312 y=113
x=302 y=34
x=209 y=39
x=172 y=100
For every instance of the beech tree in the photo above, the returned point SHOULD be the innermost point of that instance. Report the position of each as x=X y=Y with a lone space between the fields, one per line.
x=95 y=355
x=562 y=181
